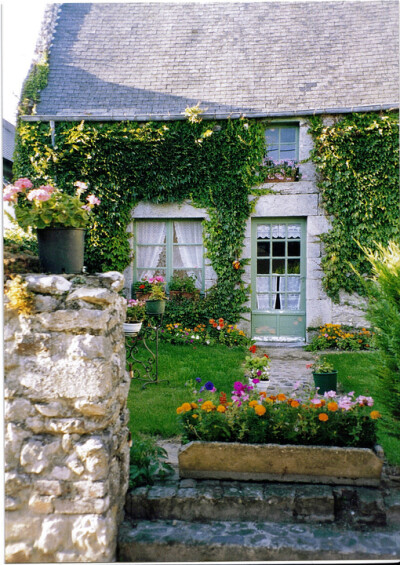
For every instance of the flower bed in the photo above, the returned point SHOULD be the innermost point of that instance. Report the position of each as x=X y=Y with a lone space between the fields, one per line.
x=336 y=336
x=278 y=432
x=202 y=334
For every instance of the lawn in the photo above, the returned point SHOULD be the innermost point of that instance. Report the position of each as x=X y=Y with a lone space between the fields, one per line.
x=153 y=410
x=357 y=372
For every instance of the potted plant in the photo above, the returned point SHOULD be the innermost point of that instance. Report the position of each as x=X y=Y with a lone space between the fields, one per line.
x=184 y=286
x=257 y=369
x=281 y=170
x=141 y=289
x=302 y=436
x=135 y=314
x=59 y=219
x=156 y=301
x=324 y=375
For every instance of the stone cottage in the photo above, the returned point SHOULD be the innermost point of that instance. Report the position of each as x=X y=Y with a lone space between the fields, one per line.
x=281 y=62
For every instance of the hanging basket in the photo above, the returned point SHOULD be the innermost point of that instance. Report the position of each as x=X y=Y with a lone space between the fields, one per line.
x=155 y=307
x=61 y=249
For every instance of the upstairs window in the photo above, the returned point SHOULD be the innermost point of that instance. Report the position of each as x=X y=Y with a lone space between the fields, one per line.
x=282 y=142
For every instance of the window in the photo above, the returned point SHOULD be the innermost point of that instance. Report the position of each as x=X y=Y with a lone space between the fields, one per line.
x=169 y=247
x=282 y=142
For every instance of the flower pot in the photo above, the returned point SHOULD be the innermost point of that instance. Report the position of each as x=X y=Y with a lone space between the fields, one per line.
x=325 y=381
x=285 y=463
x=61 y=249
x=142 y=295
x=132 y=327
x=155 y=307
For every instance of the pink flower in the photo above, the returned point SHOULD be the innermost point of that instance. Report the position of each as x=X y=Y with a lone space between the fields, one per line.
x=86 y=207
x=255 y=381
x=365 y=401
x=330 y=394
x=48 y=188
x=23 y=183
x=93 y=200
x=38 y=194
x=10 y=193
x=345 y=403
x=82 y=185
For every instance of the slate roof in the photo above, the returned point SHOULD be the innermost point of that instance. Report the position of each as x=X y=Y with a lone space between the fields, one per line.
x=260 y=58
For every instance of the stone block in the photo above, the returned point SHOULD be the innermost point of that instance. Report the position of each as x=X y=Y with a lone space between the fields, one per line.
x=12 y=503
x=319 y=312
x=54 y=535
x=45 y=303
x=14 y=482
x=45 y=487
x=112 y=279
x=22 y=525
x=73 y=320
x=316 y=225
x=315 y=504
x=99 y=296
x=37 y=456
x=41 y=504
x=51 y=409
x=81 y=505
x=19 y=552
x=17 y=410
x=89 y=489
x=280 y=205
x=48 y=284
x=14 y=437
x=93 y=536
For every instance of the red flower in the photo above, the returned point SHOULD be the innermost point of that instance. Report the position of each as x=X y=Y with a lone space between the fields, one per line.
x=252 y=349
x=142 y=286
x=265 y=355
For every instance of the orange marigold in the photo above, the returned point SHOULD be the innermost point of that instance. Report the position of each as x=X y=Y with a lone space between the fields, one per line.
x=260 y=409
x=194 y=405
x=333 y=406
x=221 y=408
x=253 y=403
x=281 y=396
x=208 y=406
x=323 y=417
x=179 y=410
x=195 y=416
x=263 y=394
x=295 y=404
x=375 y=414
x=186 y=407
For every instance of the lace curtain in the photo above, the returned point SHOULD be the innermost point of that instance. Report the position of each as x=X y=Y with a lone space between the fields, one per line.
x=279 y=231
x=189 y=257
x=149 y=255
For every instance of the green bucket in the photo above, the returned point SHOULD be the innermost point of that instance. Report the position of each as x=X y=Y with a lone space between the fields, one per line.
x=325 y=381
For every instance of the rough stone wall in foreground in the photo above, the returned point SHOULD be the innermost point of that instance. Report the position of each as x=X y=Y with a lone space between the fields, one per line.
x=66 y=436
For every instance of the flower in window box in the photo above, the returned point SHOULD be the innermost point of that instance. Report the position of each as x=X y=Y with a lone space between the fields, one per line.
x=281 y=170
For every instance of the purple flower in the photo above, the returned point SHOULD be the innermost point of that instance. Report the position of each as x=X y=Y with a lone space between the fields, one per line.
x=198 y=379
x=209 y=385
x=255 y=381
x=259 y=373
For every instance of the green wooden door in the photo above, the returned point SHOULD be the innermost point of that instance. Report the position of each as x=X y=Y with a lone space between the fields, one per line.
x=278 y=276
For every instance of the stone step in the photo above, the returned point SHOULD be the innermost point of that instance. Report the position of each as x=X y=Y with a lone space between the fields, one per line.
x=205 y=500
x=179 y=541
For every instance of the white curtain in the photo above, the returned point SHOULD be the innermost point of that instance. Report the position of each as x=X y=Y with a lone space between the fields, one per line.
x=266 y=284
x=189 y=257
x=290 y=284
x=294 y=231
x=263 y=232
x=278 y=230
x=148 y=255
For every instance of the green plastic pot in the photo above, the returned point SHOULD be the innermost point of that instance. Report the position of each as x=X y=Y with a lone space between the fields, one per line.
x=325 y=381
x=155 y=307
x=61 y=249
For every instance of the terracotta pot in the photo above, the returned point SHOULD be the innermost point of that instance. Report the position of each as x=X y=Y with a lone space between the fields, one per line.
x=142 y=295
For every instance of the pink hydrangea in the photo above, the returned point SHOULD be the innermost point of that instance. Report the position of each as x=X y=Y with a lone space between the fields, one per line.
x=23 y=183
x=10 y=193
x=39 y=194
x=48 y=188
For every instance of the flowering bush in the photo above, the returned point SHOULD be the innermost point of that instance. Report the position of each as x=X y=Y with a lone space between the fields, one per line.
x=214 y=332
x=257 y=367
x=281 y=169
x=254 y=417
x=184 y=284
x=332 y=336
x=321 y=365
x=135 y=311
x=47 y=206
x=154 y=286
x=142 y=286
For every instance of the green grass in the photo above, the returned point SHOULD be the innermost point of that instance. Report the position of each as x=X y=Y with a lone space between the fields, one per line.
x=153 y=410
x=357 y=371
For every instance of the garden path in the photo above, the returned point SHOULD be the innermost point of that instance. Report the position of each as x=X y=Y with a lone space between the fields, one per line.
x=288 y=366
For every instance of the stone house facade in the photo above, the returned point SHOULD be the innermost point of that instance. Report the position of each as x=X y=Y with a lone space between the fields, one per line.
x=276 y=61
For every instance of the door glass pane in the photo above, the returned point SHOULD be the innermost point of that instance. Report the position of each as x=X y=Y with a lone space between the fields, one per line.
x=263 y=231
x=278 y=249
x=294 y=266
x=263 y=266
x=278 y=231
x=294 y=248
x=263 y=248
x=278 y=266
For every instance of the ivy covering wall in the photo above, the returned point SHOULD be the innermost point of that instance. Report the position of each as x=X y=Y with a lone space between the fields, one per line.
x=357 y=159
x=215 y=164
x=212 y=163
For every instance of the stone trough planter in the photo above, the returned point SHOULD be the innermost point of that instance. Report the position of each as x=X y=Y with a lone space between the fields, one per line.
x=283 y=463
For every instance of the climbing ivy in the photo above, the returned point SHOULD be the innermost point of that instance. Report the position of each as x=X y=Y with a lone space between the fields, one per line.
x=357 y=161
x=214 y=164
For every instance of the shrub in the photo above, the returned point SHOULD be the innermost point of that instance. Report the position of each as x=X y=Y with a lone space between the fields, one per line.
x=384 y=313
x=147 y=462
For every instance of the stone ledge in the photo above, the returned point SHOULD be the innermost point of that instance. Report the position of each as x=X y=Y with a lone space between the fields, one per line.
x=284 y=463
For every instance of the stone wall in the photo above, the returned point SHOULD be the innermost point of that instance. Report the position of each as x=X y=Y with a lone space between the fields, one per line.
x=66 y=436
